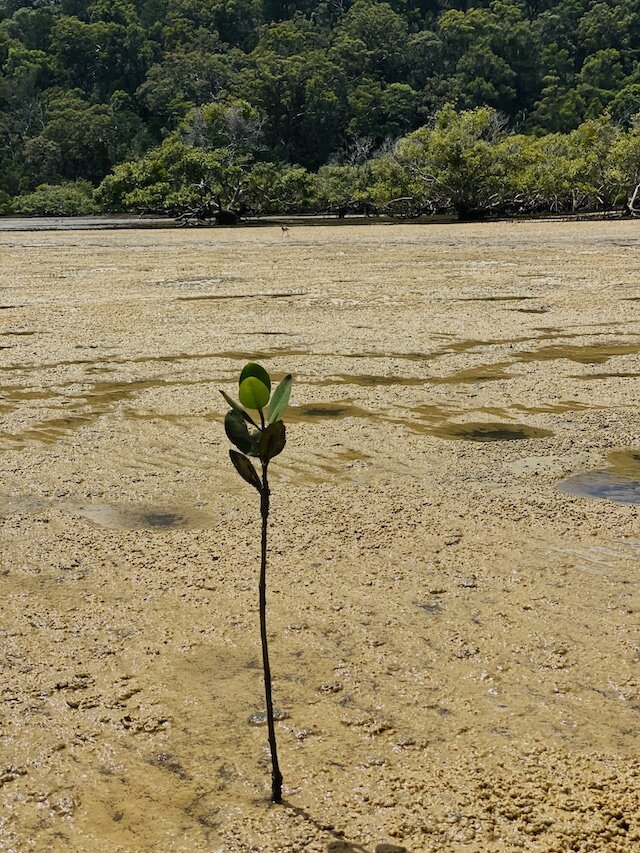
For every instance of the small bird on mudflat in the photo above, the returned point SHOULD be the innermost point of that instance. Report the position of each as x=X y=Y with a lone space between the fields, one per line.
x=285 y=229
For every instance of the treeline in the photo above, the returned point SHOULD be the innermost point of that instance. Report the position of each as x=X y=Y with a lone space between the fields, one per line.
x=86 y=85
x=466 y=163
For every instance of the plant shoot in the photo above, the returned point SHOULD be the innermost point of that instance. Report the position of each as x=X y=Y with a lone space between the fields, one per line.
x=260 y=437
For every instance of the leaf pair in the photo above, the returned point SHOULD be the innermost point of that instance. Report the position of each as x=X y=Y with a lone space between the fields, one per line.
x=246 y=470
x=265 y=443
x=255 y=386
x=235 y=426
x=255 y=391
x=271 y=442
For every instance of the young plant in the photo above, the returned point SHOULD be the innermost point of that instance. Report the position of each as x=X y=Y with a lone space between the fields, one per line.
x=262 y=442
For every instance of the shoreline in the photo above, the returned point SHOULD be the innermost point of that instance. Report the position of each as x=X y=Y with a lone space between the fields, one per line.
x=115 y=222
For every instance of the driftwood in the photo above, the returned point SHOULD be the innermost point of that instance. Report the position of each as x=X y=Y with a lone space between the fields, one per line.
x=630 y=206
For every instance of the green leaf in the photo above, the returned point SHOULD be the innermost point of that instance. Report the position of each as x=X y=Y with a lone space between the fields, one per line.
x=238 y=408
x=255 y=443
x=280 y=399
x=257 y=371
x=254 y=394
x=246 y=470
x=272 y=441
x=237 y=432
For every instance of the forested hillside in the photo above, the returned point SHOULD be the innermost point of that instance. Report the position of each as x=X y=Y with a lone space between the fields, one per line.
x=241 y=102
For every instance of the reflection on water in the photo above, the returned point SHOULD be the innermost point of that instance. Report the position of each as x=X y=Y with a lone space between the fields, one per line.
x=487 y=431
x=620 y=482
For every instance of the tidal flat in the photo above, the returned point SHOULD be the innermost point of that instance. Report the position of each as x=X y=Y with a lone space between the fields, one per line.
x=454 y=638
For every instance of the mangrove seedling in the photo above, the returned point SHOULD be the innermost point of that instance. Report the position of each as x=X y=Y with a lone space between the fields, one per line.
x=261 y=438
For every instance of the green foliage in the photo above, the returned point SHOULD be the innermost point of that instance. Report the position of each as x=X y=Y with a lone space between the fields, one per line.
x=5 y=203
x=172 y=177
x=253 y=393
x=267 y=440
x=238 y=408
x=246 y=470
x=458 y=159
x=68 y=199
x=254 y=390
x=258 y=372
x=280 y=399
x=272 y=441
x=258 y=101
x=237 y=432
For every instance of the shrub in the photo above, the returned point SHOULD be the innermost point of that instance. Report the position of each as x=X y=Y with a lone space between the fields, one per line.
x=69 y=199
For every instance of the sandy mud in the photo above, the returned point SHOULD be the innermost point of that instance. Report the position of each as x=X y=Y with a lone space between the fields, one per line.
x=454 y=638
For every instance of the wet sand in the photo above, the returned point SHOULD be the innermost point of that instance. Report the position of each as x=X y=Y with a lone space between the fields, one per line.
x=454 y=639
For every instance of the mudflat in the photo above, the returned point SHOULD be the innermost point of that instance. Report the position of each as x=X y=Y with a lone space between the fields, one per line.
x=454 y=638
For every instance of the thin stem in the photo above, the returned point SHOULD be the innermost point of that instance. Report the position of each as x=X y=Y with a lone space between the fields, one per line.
x=261 y=418
x=276 y=775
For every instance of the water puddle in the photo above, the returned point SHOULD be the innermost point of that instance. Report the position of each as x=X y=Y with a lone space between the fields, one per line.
x=18 y=393
x=402 y=356
x=324 y=411
x=145 y=518
x=615 y=375
x=194 y=283
x=494 y=298
x=585 y=354
x=555 y=408
x=101 y=398
x=369 y=380
x=48 y=431
x=484 y=373
x=115 y=517
x=215 y=296
x=175 y=418
x=581 y=353
x=171 y=358
x=487 y=431
x=620 y=482
x=466 y=345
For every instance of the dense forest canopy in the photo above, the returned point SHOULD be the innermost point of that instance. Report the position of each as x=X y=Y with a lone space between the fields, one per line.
x=299 y=104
